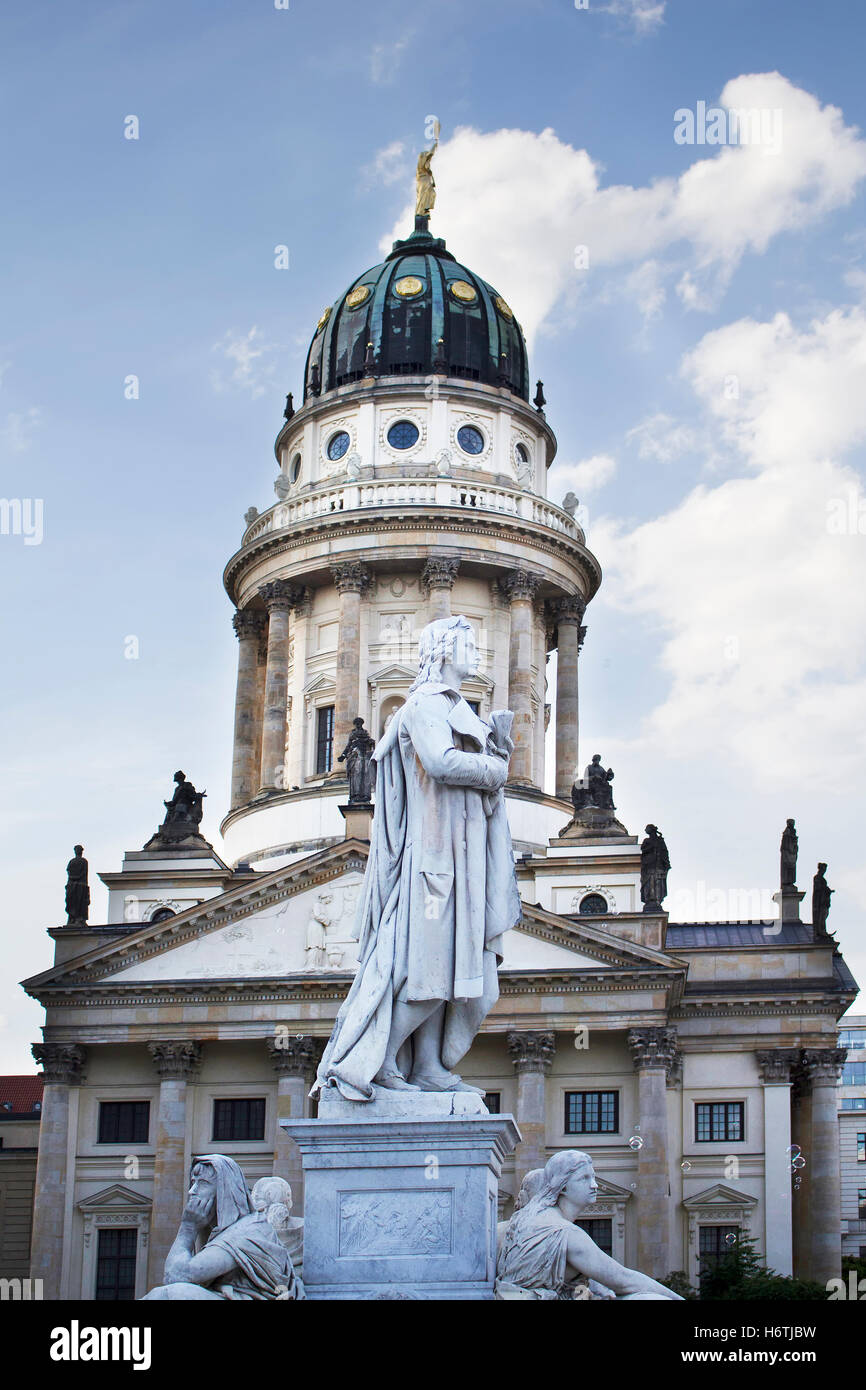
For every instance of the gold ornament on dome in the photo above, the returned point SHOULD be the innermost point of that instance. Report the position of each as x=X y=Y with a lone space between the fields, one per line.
x=408 y=286
x=324 y=319
x=359 y=295
x=504 y=309
x=463 y=291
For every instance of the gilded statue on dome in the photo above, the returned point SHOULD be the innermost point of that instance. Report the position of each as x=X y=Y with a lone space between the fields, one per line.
x=425 y=184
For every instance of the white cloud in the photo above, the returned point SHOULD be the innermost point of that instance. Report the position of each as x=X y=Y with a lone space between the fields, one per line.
x=548 y=200
x=759 y=605
x=644 y=16
x=19 y=427
x=389 y=165
x=251 y=361
x=661 y=437
x=385 y=60
x=586 y=476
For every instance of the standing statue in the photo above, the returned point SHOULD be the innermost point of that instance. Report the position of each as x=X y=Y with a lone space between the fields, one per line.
x=544 y=1255
x=425 y=184
x=439 y=890
x=788 y=852
x=357 y=755
x=595 y=790
x=321 y=917
x=243 y=1257
x=654 y=868
x=821 y=893
x=77 y=890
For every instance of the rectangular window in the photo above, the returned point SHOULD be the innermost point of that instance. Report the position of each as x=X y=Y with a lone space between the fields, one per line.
x=852 y=1037
x=854 y=1074
x=124 y=1121
x=115 y=1264
x=591 y=1112
x=493 y=1101
x=239 y=1119
x=475 y=706
x=713 y=1241
x=854 y=1102
x=599 y=1229
x=325 y=738
x=717 y=1121
x=861 y=1203
x=861 y=1148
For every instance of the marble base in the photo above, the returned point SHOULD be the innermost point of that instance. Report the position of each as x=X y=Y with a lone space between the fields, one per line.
x=400 y=1195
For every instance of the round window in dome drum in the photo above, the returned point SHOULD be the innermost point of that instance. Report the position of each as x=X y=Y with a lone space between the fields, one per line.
x=470 y=439
x=522 y=453
x=593 y=905
x=295 y=468
x=337 y=445
x=403 y=435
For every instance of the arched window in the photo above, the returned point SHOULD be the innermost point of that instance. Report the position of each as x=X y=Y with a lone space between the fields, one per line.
x=162 y=914
x=593 y=905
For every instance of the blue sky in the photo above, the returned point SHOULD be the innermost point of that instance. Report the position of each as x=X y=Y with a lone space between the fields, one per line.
x=723 y=673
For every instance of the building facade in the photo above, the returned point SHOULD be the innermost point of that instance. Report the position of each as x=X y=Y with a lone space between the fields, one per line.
x=20 y=1115
x=852 y=1134
x=688 y=1059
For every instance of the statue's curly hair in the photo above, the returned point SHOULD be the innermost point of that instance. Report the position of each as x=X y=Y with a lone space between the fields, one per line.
x=436 y=646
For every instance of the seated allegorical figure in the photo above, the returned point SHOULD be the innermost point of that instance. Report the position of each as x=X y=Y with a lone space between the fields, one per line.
x=242 y=1258
x=273 y=1196
x=544 y=1255
x=528 y=1188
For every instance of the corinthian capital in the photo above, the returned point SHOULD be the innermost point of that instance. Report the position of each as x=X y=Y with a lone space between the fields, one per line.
x=568 y=610
x=653 y=1048
x=279 y=593
x=520 y=584
x=777 y=1064
x=531 y=1051
x=822 y=1066
x=353 y=577
x=295 y=1054
x=175 y=1061
x=62 y=1063
x=248 y=622
x=440 y=572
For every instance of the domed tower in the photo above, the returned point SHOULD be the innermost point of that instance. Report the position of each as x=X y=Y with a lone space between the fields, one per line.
x=412 y=485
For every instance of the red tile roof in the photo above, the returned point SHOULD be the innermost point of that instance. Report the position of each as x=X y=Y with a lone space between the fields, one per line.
x=22 y=1091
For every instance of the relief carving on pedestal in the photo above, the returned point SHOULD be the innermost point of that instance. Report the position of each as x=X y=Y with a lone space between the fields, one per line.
x=395 y=1223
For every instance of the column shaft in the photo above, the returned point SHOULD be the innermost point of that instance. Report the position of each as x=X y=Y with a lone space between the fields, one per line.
x=532 y=1055
x=176 y=1064
x=775 y=1066
x=278 y=597
x=245 y=762
x=654 y=1054
x=568 y=613
x=521 y=587
x=821 y=1174
x=62 y=1068
x=351 y=580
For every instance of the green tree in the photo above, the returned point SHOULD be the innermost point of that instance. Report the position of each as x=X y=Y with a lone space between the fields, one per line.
x=740 y=1273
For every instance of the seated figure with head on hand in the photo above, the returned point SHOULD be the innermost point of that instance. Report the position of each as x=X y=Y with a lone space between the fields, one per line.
x=543 y=1254
x=243 y=1257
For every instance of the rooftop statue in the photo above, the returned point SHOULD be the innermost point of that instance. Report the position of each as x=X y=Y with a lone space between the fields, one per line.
x=654 y=869
x=544 y=1255
x=439 y=890
x=425 y=184
x=596 y=789
x=243 y=1258
x=821 y=893
x=357 y=755
x=77 y=890
x=788 y=856
x=183 y=815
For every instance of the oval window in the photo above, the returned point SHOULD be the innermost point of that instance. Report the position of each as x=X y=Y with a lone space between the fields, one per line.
x=470 y=439
x=403 y=435
x=295 y=468
x=337 y=445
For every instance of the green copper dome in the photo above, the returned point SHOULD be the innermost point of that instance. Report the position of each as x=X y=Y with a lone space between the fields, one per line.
x=420 y=312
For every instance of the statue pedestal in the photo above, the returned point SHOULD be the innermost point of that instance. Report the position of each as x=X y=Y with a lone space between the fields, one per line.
x=358 y=817
x=400 y=1195
x=789 y=900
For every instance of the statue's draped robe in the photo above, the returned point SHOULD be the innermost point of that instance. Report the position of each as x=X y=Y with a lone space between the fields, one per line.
x=439 y=892
x=533 y=1257
x=263 y=1265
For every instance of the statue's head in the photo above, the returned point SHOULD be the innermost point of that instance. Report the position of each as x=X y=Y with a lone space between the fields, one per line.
x=790 y=822
x=180 y=777
x=273 y=1196
x=446 y=642
x=529 y=1188
x=822 y=868
x=358 y=722
x=596 y=757
x=219 y=1190
x=568 y=1173
x=79 y=850
x=652 y=830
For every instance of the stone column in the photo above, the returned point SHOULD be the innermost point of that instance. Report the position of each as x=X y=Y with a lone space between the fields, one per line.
x=821 y=1178
x=801 y=1134
x=567 y=614
x=62 y=1067
x=500 y=626
x=532 y=1057
x=520 y=585
x=294 y=1058
x=438 y=578
x=301 y=614
x=653 y=1055
x=775 y=1067
x=177 y=1063
x=278 y=597
x=350 y=579
x=248 y=625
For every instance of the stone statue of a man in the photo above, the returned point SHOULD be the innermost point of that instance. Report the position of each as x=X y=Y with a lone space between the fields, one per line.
x=439 y=889
x=654 y=869
x=360 y=768
x=788 y=856
x=243 y=1257
x=77 y=890
x=821 y=892
x=543 y=1254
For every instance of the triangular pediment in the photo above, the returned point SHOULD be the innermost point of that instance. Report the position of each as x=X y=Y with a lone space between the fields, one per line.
x=543 y=939
x=117 y=1197
x=720 y=1196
